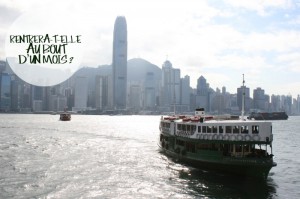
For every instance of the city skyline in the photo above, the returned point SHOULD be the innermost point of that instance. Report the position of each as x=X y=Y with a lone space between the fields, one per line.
x=220 y=40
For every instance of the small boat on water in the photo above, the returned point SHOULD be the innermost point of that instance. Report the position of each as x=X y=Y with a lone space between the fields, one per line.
x=65 y=116
x=237 y=146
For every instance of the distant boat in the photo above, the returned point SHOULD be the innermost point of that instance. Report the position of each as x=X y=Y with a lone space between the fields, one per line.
x=65 y=116
x=269 y=116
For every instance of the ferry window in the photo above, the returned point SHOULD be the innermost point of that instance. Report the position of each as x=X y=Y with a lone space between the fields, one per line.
x=184 y=127
x=209 y=129
x=188 y=127
x=228 y=129
x=235 y=129
x=193 y=128
x=255 y=129
x=179 y=127
x=203 y=129
x=244 y=129
x=221 y=129
x=215 y=129
x=199 y=129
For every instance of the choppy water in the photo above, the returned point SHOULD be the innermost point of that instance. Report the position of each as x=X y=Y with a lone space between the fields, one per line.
x=118 y=157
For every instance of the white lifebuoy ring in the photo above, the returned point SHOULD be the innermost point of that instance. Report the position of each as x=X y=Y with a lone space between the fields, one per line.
x=215 y=137
x=226 y=137
x=205 y=137
x=240 y=138
x=220 y=137
x=232 y=137
x=247 y=137
x=256 y=138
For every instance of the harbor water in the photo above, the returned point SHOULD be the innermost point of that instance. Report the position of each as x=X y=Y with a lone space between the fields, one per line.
x=118 y=157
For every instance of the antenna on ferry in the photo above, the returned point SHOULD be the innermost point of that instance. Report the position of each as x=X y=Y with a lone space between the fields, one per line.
x=243 y=99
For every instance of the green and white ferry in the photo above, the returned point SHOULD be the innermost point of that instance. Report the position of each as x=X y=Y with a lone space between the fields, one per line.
x=238 y=146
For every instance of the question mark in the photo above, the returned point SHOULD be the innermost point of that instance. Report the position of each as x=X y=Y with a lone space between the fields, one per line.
x=71 y=59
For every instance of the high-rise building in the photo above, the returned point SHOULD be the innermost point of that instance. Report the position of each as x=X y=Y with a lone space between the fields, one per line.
x=101 y=92
x=259 y=99
x=135 y=96
x=149 y=91
x=247 y=100
x=202 y=96
x=5 y=92
x=170 y=91
x=185 y=93
x=119 y=63
x=81 y=94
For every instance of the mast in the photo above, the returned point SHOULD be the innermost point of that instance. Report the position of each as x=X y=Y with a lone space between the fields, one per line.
x=243 y=99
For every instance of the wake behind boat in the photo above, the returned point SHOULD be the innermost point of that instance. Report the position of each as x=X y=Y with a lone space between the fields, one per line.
x=237 y=146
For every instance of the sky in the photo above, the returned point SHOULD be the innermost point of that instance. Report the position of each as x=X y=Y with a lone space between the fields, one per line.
x=220 y=40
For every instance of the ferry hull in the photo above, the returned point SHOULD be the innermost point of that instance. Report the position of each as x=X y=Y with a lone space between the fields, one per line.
x=235 y=166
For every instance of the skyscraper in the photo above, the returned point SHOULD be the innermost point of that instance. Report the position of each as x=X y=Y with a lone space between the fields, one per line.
x=119 y=63
x=5 y=91
x=170 y=90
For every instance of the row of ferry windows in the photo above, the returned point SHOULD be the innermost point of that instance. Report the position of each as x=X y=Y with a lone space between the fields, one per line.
x=222 y=129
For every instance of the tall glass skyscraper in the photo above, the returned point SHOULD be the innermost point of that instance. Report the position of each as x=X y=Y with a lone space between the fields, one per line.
x=119 y=63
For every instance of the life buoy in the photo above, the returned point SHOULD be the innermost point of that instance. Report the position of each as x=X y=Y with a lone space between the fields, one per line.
x=247 y=137
x=256 y=138
x=215 y=137
x=240 y=137
x=220 y=137
x=232 y=137
x=210 y=137
x=226 y=137
x=205 y=137
x=201 y=137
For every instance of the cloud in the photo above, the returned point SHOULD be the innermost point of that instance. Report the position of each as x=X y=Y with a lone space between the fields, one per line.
x=262 y=7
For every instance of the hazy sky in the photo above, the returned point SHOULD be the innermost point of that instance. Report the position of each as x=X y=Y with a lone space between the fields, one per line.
x=220 y=40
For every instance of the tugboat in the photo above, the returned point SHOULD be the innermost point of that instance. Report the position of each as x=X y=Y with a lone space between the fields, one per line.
x=237 y=146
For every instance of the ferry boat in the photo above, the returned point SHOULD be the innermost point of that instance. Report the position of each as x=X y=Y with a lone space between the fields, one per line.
x=237 y=146
x=65 y=116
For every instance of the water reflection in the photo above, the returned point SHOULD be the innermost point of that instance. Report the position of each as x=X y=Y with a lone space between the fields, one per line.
x=201 y=183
